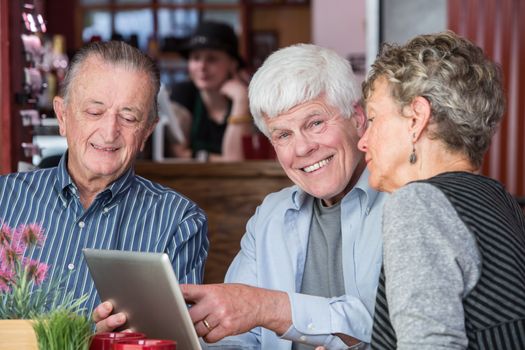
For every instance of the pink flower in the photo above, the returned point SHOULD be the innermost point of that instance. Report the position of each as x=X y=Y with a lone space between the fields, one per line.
x=36 y=271
x=13 y=264
x=9 y=256
x=6 y=235
x=6 y=278
x=31 y=234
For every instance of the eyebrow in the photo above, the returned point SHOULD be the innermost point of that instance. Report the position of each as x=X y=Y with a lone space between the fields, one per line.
x=97 y=102
x=309 y=115
x=126 y=108
x=132 y=110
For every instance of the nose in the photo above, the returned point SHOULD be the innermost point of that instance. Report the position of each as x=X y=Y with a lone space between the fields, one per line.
x=201 y=64
x=363 y=142
x=110 y=127
x=305 y=144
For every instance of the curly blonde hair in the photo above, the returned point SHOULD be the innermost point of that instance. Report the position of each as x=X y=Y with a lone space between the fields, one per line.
x=462 y=85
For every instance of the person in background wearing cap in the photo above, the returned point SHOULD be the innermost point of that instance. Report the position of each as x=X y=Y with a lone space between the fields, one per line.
x=213 y=105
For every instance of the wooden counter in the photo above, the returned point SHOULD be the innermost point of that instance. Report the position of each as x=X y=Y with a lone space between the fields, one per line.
x=228 y=193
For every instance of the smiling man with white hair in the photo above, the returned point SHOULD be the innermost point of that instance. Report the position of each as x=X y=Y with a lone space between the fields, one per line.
x=310 y=259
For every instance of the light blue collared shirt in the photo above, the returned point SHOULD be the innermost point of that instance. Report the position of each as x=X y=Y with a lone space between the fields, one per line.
x=273 y=253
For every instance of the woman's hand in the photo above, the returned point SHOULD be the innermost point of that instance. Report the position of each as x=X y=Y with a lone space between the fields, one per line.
x=237 y=91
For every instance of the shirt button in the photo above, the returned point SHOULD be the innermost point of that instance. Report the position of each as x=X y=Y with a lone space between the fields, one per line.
x=311 y=326
x=70 y=266
x=106 y=210
x=302 y=338
x=81 y=224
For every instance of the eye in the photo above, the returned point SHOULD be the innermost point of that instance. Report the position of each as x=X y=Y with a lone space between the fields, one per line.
x=212 y=59
x=128 y=119
x=283 y=135
x=316 y=123
x=369 y=121
x=194 y=56
x=94 y=112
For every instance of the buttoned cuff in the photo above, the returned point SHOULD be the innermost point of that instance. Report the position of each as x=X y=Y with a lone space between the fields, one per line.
x=307 y=329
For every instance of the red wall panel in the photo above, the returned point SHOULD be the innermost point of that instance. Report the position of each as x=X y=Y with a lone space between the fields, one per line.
x=5 y=90
x=495 y=26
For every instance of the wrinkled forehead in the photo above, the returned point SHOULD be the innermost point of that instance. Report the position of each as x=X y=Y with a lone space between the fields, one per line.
x=95 y=64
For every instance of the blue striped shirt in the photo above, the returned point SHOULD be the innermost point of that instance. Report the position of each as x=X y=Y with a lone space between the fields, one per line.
x=132 y=213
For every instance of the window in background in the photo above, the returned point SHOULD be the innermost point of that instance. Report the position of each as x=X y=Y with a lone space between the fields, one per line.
x=227 y=16
x=178 y=2
x=178 y=23
x=408 y=18
x=136 y=27
x=221 y=1
x=206 y=2
x=160 y=20
x=97 y=24
x=133 y=1
x=158 y=27
x=94 y=2
x=173 y=27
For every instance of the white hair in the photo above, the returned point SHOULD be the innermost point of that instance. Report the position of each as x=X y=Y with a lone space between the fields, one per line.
x=298 y=74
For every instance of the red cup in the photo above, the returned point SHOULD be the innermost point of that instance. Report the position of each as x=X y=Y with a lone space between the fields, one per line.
x=145 y=344
x=105 y=341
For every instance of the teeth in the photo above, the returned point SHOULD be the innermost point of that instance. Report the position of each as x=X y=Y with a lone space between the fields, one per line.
x=107 y=149
x=316 y=166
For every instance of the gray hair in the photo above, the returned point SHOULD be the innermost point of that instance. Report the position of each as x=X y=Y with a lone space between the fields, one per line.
x=462 y=85
x=298 y=74
x=120 y=54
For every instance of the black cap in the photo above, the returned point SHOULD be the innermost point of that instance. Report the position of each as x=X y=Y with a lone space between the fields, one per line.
x=214 y=35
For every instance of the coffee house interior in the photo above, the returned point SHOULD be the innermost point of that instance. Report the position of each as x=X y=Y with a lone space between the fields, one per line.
x=38 y=37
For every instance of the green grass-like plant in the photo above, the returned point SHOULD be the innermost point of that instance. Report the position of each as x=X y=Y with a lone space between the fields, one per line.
x=64 y=328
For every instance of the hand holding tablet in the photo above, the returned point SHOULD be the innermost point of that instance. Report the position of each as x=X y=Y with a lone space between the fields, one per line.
x=144 y=287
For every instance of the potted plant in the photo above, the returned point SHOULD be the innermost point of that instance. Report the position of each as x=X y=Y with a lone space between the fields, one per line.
x=29 y=301
x=64 y=328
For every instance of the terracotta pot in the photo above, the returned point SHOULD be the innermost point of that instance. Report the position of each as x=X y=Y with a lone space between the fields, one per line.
x=17 y=335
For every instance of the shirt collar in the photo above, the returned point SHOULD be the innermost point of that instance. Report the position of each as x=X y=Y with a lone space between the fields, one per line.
x=63 y=178
x=66 y=186
x=363 y=186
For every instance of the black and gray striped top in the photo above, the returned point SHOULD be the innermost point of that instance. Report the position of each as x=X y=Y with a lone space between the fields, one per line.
x=494 y=309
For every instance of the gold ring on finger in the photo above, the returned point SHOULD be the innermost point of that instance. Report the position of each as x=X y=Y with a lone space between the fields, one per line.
x=207 y=325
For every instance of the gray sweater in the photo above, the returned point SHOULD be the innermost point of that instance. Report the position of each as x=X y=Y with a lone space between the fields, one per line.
x=431 y=262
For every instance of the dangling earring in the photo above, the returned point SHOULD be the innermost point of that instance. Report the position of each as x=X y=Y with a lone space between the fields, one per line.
x=413 y=158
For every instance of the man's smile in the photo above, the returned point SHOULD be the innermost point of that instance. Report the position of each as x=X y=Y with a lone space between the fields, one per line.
x=317 y=165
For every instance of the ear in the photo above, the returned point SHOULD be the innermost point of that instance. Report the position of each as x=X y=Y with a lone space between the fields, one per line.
x=420 y=117
x=149 y=130
x=60 y=112
x=359 y=119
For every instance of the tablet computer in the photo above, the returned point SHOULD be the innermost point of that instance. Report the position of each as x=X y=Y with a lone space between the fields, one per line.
x=144 y=287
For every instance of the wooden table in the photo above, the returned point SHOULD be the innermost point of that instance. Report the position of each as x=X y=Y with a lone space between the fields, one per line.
x=228 y=193
x=17 y=335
